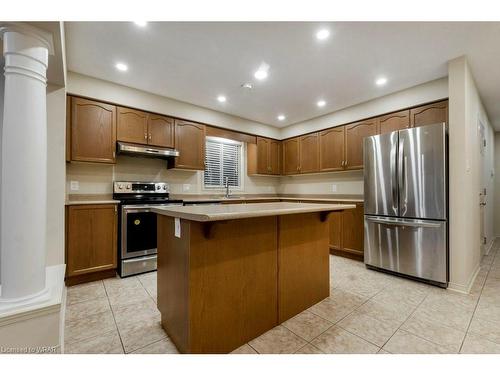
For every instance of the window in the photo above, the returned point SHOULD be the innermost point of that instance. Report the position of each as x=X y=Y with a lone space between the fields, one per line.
x=222 y=160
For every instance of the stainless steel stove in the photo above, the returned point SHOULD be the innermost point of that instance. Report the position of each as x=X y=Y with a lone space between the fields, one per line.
x=137 y=224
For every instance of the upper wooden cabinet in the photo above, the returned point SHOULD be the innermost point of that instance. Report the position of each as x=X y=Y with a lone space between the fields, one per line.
x=354 y=135
x=161 y=131
x=264 y=157
x=91 y=235
x=190 y=142
x=92 y=131
x=429 y=114
x=309 y=153
x=291 y=156
x=132 y=126
x=393 y=121
x=331 y=149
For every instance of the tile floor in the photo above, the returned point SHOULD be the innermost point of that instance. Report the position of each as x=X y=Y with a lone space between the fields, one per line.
x=367 y=312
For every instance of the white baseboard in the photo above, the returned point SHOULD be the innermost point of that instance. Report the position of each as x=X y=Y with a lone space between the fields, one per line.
x=489 y=246
x=465 y=289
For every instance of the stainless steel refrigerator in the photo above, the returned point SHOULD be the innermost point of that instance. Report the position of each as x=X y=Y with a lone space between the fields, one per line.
x=406 y=202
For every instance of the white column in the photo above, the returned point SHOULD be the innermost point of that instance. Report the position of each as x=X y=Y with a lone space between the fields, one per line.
x=24 y=163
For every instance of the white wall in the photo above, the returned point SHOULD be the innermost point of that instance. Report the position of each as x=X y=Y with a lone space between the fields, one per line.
x=426 y=92
x=465 y=109
x=496 y=202
x=488 y=182
x=79 y=84
x=56 y=173
x=2 y=84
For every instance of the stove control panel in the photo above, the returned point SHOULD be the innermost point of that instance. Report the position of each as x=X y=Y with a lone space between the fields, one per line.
x=140 y=187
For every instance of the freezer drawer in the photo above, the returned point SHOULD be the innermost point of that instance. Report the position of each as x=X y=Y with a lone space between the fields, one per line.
x=416 y=248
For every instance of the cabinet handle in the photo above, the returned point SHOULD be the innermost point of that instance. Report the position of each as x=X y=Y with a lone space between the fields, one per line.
x=149 y=136
x=345 y=164
x=146 y=136
x=342 y=164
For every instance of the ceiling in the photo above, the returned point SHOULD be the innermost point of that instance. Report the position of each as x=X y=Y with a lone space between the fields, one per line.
x=197 y=61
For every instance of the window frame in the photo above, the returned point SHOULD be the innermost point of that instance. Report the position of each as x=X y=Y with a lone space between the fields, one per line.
x=241 y=164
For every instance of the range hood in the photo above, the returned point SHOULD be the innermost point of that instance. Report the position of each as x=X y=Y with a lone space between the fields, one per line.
x=147 y=151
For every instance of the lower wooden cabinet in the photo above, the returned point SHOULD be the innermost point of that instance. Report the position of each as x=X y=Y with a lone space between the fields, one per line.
x=91 y=235
x=347 y=232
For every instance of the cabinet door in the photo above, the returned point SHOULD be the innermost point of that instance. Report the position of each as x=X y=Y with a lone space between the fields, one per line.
x=160 y=131
x=354 y=135
x=274 y=157
x=336 y=223
x=190 y=142
x=309 y=153
x=394 y=121
x=93 y=131
x=429 y=114
x=331 y=149
x=353 y=230
x=132 y=126
x=263 y=155
x=91 y=238
x=291 y=156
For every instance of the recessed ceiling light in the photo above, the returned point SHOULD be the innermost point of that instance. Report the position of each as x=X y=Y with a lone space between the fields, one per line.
x=247 y=86
x=281 y=117
x=141 y=23
x=121 y=66
x=322 y=34
x=262 y=72
x=321 y=103
x=381 y=81
x=221 y=98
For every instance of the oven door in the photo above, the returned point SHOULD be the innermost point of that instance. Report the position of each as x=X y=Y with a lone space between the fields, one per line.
x=138 y=234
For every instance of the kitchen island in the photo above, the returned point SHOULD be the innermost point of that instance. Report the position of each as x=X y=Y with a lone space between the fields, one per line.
x=228 y=273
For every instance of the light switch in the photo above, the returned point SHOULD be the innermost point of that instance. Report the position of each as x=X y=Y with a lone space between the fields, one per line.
x=334 y=188
x=74 y=185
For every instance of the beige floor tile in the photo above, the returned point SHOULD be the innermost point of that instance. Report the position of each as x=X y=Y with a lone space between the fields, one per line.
x=405 y=343
x=309 y=349
x=307 y=325
x=488 y=311
x=165 y=346
x=244 y=349
x=84 y=309
x=278 y=340
x=127 y=296
x=149 y=277
x=93 y=325
x=385 y=313
x=338 y=341
x=117 y=283
x=136 y=311
x=372 y=330
x=337 y=306
x=405 y=300
x=435 y=332
x=382 y=351
x=365 y=285
x=446 y=299
x=108 y=343
x=474 y=344
x=140 y=334
x=448 y=314
x=489 y=330
x=85 y=292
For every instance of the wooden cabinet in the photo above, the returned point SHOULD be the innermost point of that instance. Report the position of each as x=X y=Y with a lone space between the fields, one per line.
x=161 y=131
x=429 y=114
x=264 y=157
x=354 y=135
x=92 y=131
x=331 y=149
x=347 y=232
x=91 y=236
x=145 y=128
x=190 y=142
x=309 y=153
x=291 y=161
x=132 y=126
x=393 y=121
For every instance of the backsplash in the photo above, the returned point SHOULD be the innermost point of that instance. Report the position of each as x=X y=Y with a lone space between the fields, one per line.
x=342 y=183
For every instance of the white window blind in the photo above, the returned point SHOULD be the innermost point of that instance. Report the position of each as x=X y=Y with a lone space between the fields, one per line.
x=222 y=160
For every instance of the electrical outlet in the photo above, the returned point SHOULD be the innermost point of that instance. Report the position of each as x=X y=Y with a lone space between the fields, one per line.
x=334 y=188
x=74 y=185
x=186 y=187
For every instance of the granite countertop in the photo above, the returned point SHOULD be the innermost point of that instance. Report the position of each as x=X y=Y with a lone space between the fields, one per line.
x=236 y=211
x=74 y=199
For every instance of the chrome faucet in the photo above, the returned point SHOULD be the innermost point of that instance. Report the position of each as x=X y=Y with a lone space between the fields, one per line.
x=226 y=184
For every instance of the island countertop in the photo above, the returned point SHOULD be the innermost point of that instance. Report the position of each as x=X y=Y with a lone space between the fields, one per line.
x=207 y=213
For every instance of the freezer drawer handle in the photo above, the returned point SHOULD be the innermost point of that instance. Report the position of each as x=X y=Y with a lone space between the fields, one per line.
x=404 y=223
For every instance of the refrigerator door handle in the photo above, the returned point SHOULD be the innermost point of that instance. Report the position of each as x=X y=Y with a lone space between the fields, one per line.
x=405 y=223
x=401 y=180
x=394 y=178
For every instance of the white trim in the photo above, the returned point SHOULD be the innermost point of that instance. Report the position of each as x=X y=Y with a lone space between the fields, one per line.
x=44 y=37
x=465 y=289
x=488 y=247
